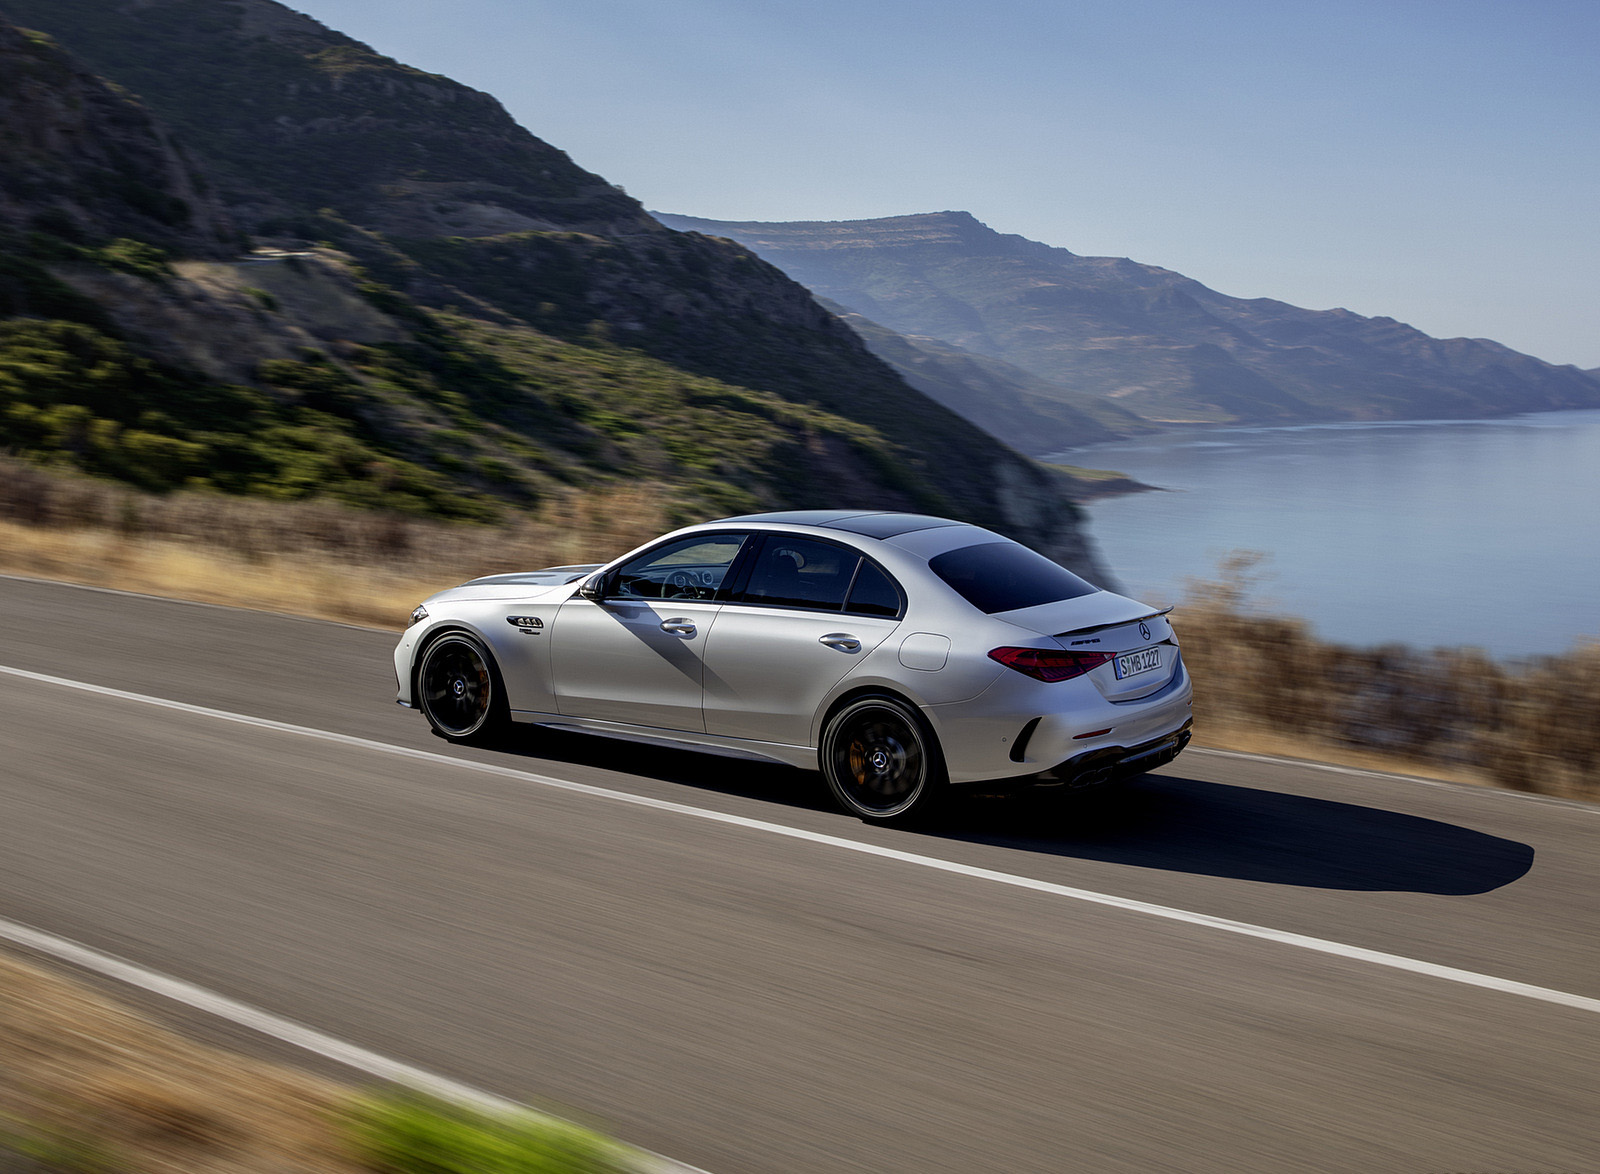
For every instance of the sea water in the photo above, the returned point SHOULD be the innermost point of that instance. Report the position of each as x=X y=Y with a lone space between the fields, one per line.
x=1459 y=532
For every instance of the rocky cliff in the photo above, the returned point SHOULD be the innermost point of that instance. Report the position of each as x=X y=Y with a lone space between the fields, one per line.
x=85 y=162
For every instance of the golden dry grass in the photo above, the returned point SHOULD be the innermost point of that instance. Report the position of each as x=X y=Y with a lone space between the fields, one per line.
x=306 y=558
x=297 y=584
x=83 y=1069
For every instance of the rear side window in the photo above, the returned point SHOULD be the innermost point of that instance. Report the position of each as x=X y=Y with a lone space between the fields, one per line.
x=874 y=593
x=798 y=572
x=1003 y=576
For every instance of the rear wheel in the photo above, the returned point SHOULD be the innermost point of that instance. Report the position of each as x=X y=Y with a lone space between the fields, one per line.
x=880 y=759
x=458 y=688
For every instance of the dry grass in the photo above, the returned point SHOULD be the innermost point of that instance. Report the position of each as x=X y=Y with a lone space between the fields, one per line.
x=298 y=584
x=92 y=1078
x=1453 y=713
x=312 y=559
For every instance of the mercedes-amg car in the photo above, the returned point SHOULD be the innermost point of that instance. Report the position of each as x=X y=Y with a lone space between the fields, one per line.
x=899 y=654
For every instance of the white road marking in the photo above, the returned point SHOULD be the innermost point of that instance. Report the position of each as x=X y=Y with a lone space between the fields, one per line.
x=1126 y=904
x=288 y=1031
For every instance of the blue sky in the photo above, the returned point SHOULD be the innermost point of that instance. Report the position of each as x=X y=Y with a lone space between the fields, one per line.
x=1435 y=162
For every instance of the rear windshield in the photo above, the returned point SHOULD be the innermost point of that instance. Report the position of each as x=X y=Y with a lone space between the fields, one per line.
x=1002 y=576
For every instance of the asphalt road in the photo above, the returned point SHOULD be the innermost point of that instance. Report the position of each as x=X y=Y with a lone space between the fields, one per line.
x=748 y=1001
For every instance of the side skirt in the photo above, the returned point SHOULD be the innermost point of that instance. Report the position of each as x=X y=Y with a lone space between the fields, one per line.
x=804 y=757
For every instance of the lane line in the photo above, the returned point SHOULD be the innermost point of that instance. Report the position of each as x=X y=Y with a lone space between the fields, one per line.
x=1088 y=896
x=288 y=1031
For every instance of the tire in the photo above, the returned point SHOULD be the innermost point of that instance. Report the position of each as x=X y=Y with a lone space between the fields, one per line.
x=881 y=761
x=459 y=689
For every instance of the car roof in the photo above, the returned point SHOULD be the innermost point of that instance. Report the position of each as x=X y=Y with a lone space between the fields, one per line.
x=868 y=523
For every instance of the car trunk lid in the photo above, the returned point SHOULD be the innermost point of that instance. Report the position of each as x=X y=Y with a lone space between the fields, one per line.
x=1137 y=638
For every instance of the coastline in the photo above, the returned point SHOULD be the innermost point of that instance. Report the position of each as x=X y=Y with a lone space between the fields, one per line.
x=1087 y=485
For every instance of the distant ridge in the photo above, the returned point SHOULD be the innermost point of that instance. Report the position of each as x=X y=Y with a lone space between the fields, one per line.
x=1156 y=344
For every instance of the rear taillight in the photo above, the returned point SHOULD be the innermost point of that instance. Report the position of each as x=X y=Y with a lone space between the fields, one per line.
x=1043 y=664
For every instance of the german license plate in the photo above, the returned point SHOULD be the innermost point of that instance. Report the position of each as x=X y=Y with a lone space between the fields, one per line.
x=1131 y=664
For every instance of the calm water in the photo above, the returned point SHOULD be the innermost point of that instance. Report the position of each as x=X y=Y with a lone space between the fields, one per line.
x=1482 y=532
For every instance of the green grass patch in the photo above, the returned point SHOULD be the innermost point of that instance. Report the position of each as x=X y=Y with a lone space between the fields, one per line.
x=1082 y=474
x=406 y=1133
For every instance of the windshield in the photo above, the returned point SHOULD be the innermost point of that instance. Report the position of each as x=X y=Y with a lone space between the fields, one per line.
x=1003 y=576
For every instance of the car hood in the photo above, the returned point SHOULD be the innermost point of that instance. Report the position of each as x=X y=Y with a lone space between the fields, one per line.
x=554 y=583
x=1099 y=610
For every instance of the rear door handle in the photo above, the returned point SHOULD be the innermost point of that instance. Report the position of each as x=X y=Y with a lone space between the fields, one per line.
x=679 y=625
x=843 y=641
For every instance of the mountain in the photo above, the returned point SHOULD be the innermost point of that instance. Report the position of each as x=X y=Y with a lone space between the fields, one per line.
x=448 y=315
x=82 y=160
x=1028 y=413
x=1150 y=341
x=291 y=117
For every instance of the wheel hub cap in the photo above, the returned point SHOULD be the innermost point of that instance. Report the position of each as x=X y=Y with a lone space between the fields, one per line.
x=459 y=688
x=879 y=760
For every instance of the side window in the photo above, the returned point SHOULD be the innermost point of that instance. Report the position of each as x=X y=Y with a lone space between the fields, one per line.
x=874 y=593
x=690 y=568
x=800 y=572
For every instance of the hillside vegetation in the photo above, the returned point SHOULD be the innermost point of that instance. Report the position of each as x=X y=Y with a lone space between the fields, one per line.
x=1150 y=342
x=443 y=315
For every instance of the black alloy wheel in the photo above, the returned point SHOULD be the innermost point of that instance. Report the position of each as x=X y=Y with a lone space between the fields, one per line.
x=459 y=689
x=880 y=761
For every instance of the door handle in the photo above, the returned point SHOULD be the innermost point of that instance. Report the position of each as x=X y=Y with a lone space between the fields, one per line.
x=681 y=627
x=843 y=641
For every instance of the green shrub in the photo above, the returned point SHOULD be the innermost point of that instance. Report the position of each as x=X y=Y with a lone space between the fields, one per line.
x=264 y=298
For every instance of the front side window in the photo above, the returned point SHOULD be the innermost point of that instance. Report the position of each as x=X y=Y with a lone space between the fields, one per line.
x=690 y=568
x=1006 y=576
x=800 y=572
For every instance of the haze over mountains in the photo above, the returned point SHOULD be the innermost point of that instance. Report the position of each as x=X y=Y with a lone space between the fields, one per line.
x=1097 y=335
x=460 y=319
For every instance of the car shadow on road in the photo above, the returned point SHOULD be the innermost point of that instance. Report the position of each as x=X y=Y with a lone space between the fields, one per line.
x=1177 y=824
x=1162 y=821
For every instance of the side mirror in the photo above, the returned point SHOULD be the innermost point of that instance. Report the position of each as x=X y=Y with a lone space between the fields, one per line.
x=593 y=588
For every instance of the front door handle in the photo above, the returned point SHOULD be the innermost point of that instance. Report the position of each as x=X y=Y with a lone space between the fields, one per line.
x=843 y=641
x=680 y=626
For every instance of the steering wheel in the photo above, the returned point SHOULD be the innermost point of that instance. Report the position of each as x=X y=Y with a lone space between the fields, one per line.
x=684 y=584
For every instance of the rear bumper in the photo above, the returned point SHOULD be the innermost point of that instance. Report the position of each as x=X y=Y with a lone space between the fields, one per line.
x=1111 y=763
x=1020 y=727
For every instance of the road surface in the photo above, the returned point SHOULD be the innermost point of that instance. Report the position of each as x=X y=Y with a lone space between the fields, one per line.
x=1023 y=988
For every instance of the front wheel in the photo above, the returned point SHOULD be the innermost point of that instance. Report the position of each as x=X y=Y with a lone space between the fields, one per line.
x=458 y=688
x=880 y=759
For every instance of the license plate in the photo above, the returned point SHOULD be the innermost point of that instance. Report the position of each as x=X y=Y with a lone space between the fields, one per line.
x=1131 y=664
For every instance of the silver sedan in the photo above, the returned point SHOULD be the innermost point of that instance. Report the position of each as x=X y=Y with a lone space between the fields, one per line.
x=899 y=654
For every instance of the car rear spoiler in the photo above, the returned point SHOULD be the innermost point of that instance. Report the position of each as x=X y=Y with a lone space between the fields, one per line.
x=1114 y=624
